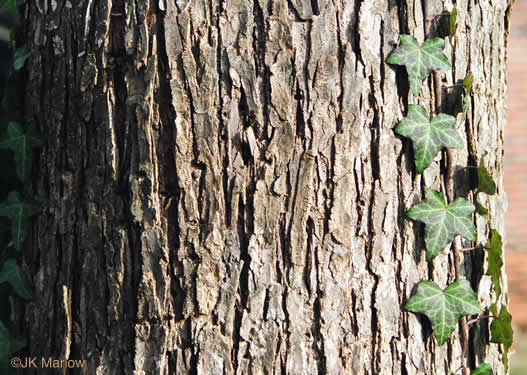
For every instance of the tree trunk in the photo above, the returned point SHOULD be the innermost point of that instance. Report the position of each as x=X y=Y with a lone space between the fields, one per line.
x=223 y=192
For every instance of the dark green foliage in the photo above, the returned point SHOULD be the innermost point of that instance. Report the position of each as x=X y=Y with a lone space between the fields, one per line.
x=453 y=21
x=443 y=222
x=419 y=60
x=501 y=331
x=11 y=5
x=18 y=211
x=12 y=274
x=485 y=183
x=21 y=143
x=16 y=152
x=467 y=84
x=483 y=369
x=9 y=344
x=21 y=55
x=428 y=137
x=444 y=308
x=495 y=260
x=480 y=208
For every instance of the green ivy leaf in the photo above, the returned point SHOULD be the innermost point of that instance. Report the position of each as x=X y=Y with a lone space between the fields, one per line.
x=419 y=61
x=495 y=260
x=444 y=308
x=466 y=99
x=21 y=143
x=18 y=212
x=483 y=369
x=453 y=24
x=501 y=331
x=11 y=4
x=442 y=222
x=485 y=182
x=11 y=14
x=428 y=137
x=8 y=345
x=21 y=55
x=467 y=84
x=12 y=274
x=480 y=208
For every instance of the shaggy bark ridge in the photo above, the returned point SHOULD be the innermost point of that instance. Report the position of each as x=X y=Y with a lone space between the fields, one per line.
x=223 y=192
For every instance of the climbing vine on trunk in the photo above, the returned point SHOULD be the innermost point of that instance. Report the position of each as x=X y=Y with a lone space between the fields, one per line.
x=446 y=218
x=17 y=204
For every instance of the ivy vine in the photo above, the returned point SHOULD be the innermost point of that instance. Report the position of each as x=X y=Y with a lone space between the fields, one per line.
x=445 y=219
x=17 y=205
x=428 y=136
x=442 y=222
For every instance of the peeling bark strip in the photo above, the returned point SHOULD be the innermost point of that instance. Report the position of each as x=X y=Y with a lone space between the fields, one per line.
x=223 y=192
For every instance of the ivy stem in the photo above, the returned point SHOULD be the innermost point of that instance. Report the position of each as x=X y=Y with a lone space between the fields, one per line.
x=449 y=187
x=475 y=320
x=473 y=248
x=469 y=249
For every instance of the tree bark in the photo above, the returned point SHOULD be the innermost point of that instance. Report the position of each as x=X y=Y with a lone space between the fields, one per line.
x=223 y=192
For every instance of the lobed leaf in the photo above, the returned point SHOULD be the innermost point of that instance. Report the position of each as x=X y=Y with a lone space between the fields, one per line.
x=18 y=212
x=444 y=308
x=467 y=83
x=9 y=344
x=452 y=21
x=442 y=222
x=495 y=260
x=22 y=144
x=480 y=208
x=12 y=274
x=420 y=61
x=11 y=4
x=483 y=369
x=21 y=55
x=428 y=137
x=501 y=331
x=485 y=183
x=466 y=99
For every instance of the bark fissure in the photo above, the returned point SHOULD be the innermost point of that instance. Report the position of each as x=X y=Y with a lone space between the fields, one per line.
x=235 y=190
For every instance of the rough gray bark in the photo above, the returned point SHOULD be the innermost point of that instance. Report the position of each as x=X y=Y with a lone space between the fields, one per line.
x=223 y=192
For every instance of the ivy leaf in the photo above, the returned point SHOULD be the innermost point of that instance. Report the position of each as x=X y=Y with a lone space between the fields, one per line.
x=12 y=274
x=21 y=143
x=444 y=308
x=428 y=137
x=453 y=24
x=21 y=55
x=419 y=61
x=480 y=208
x=18 y=212
x=11 y=4
x=8 y=344
x=467 y=84
x=501 y=331
x=483 y=369
x=485 y=182
x=442 y=222
x=495 y=260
